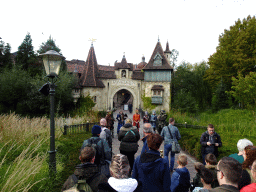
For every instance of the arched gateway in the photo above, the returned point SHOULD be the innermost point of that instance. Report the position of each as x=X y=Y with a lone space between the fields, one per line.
x=116 y=86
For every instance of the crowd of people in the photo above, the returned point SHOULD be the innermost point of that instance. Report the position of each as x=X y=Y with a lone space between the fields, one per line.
x=102 y=170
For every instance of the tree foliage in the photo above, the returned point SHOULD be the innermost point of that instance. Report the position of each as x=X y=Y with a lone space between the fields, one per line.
x=26 y=55
x=220 y=99
x=244 y=89
x=51 y=45
x=174 y=56
x=19 y=93
x=189 y=87
x=5 y=55
x=235 y=53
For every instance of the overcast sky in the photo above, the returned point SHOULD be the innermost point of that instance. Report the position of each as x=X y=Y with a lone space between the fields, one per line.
x=191 y=26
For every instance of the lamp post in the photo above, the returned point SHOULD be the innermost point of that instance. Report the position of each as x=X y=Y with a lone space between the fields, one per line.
x=52 y=62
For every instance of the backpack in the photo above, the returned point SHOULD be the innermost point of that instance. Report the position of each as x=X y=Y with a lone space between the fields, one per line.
x=108 y=138
x=93 y=143
x=80 y=185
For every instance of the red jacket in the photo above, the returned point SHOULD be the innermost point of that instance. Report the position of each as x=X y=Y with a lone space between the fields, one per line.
x=249 y=188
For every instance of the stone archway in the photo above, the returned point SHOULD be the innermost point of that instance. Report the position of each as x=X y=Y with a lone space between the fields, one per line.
x=122 y=96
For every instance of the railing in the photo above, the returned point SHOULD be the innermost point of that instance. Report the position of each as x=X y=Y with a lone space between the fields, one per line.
x=73 y=129
x=190 y=126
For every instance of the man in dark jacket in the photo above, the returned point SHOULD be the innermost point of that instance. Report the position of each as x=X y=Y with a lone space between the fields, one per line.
x=103 y=151
x=129 y=137
x=229 y=172
x=87 y=170
x=210 y=141
x=150 y=170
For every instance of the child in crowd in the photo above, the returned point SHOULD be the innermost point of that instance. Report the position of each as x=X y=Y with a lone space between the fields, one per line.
x=206 y=178
x=180 y=180
x=197 y=179
x=211 y=164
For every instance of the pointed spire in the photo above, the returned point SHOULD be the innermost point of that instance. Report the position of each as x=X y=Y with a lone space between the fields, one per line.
x=158 y=51
x=167 y=50
x=90 y=74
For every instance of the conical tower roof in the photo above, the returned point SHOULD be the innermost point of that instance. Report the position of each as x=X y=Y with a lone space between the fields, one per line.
x=90 y=74
x=158 y=51
x=167 y=50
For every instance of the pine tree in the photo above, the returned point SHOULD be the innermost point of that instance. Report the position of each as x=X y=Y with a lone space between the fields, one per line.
x=25 y=55
x=50 y=45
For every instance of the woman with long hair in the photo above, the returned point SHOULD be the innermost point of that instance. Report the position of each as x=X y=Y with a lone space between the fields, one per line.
x=119 y=180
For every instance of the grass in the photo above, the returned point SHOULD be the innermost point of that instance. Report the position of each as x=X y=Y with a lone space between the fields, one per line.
x=230 y=124
x=239 y=122
x=24 y=146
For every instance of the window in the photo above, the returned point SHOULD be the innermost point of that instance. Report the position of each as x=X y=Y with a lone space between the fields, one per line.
x=157 y=60
x=94 y=98
x=123 y=73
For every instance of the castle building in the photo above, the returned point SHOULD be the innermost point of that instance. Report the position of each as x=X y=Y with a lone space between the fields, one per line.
x=123 y=83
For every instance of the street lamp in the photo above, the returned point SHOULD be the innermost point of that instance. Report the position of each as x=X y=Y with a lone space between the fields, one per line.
x=52 y=62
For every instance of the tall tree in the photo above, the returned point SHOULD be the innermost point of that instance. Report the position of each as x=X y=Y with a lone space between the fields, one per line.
x=5 y=55
x=26 y=55
x=189 y=86
x=235 y=53
x=51 y=45
x=174 y=56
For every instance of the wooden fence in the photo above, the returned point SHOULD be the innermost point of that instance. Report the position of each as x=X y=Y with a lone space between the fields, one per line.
x=190 y=126
x=79 y=128
x=87 y=127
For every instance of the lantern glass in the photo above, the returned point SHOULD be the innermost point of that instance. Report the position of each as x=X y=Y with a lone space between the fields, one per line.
x=52 y=62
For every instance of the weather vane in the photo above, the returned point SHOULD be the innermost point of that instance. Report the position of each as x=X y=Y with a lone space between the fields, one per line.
x=92 y=40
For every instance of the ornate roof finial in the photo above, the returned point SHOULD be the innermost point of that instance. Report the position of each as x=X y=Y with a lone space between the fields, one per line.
x=124 y=55
x=92 y=40
x=158 y=39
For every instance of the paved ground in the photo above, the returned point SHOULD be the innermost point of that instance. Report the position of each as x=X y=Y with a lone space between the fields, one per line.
x=116 y=144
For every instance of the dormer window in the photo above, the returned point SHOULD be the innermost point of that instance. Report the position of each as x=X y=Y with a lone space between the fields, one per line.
x=157 y=60
x=123 y=73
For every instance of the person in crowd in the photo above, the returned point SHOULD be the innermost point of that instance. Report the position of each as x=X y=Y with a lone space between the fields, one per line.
x=136 y=119
x=87 y=170
x=103 y=152
x=150 y=170
x=161 y=121
x=146 y=118
x=229 y=172
x=241 y=144
x=180 y=180
x=119 y=120
x=249 y=158
x=206 y=178
x=105 y=132
x=147 y=130
x=129 y=137
x=252 y=186
x=119 y=180
x=170 y=133
x=110 y=122
x=211 y=164
x=130 y=106
x=197 y=179
x=246 y=177
x=153 y=120
x=210 y=142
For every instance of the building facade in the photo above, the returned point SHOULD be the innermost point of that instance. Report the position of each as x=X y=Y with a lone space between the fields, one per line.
x=124 y=83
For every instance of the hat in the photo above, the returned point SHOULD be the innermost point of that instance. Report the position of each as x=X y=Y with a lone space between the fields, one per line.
x=96 y=129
